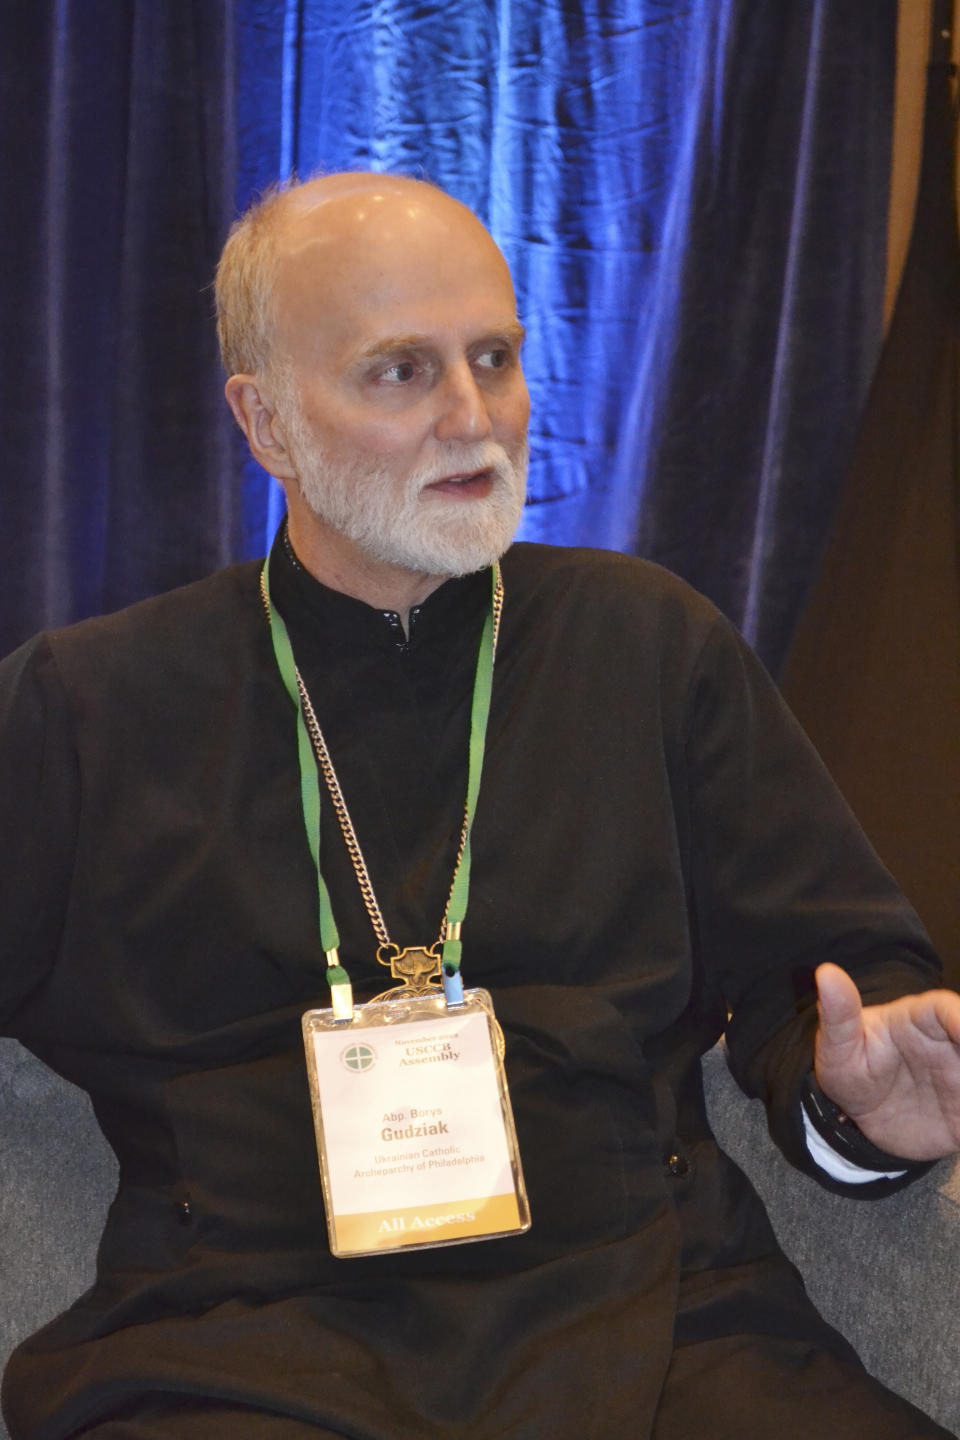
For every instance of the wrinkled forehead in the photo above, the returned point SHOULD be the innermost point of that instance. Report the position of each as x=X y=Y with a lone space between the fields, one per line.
x=354 y=257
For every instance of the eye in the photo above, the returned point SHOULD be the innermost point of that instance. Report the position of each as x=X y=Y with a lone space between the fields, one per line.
x=399 y=373
x=494 y=359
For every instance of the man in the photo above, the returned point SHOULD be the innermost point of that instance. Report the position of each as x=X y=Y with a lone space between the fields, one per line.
x=654 y=845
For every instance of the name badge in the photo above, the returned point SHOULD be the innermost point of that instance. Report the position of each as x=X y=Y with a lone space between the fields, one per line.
x=415 y=1133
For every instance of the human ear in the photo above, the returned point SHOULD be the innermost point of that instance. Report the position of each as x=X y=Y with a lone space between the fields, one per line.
x=256 y=415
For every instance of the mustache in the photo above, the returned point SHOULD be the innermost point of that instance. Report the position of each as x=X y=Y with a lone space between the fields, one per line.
x=466 y=460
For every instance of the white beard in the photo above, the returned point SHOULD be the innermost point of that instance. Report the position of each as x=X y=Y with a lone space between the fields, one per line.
x=427 y=534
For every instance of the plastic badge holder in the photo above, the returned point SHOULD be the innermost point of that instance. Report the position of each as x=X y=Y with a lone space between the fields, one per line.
x=415 y=1131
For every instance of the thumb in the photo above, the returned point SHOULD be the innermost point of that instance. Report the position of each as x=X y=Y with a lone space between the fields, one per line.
x=840 y=1009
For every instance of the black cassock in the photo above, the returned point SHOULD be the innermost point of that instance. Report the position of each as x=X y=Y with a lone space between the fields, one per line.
x=655 y=844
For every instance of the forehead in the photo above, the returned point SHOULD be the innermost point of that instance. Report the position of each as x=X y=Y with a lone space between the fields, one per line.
x=357 y=270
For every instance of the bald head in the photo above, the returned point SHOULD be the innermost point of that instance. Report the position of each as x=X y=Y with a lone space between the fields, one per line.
x=341 y=229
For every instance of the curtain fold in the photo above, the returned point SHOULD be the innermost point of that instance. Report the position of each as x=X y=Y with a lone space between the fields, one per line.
x=758 y=358
x=119 y=467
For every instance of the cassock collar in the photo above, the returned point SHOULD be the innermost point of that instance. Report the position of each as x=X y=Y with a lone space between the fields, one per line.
x=453 y=609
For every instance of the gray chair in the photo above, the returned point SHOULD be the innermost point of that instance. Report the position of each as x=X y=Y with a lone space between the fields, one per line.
x=884 y=1272
x=57 y=1178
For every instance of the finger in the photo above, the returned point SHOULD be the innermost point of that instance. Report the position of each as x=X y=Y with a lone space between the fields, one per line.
x=935 y=1014
x=947 y=1007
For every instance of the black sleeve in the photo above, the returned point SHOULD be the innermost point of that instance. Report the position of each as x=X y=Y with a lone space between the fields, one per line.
x=783 y=879
x=38 y=821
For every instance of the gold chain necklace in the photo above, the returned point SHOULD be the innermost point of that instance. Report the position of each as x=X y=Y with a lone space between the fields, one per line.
x=416 y=967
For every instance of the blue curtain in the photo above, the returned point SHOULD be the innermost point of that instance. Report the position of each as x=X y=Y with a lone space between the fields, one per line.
x=692 y=198
x=118 y=468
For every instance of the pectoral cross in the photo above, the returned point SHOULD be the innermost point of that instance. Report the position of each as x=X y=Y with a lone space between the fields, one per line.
x=416 y=968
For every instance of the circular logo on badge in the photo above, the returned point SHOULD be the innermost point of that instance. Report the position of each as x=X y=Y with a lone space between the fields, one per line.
x=358 y=1057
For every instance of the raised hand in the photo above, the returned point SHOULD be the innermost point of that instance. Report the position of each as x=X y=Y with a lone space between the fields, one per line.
x=893 y=1068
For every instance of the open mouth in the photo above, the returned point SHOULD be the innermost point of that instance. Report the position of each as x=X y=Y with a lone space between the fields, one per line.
x=468 y=487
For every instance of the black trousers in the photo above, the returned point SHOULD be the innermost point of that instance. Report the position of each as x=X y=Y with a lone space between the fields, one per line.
x=752 y=1360
x=748 y=1387
x=742 y=1387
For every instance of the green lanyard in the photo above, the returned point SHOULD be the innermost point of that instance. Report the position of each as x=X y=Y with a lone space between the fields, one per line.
x=311 y=752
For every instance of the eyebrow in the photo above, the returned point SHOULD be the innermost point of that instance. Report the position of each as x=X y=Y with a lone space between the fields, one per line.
x=513 y=331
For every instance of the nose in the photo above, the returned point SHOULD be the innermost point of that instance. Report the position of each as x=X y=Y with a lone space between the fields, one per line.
x=463 y=413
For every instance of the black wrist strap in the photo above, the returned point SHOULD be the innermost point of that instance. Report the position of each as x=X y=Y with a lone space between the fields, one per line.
x=843 y=1135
